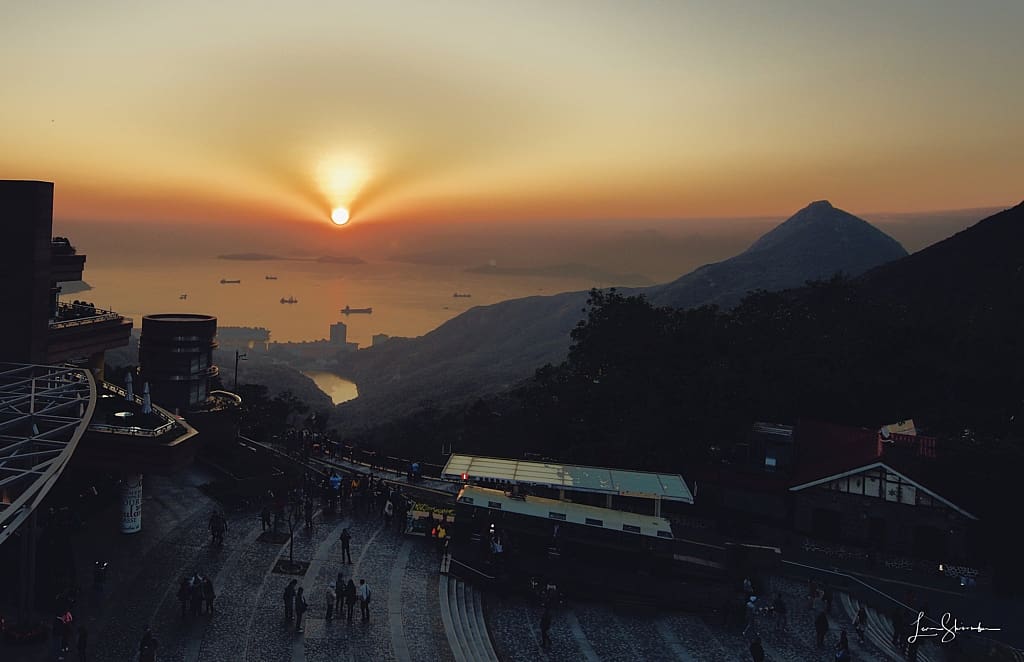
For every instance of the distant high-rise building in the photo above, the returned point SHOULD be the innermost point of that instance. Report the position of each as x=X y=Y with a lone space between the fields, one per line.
x=379 y=339
x=339 y=334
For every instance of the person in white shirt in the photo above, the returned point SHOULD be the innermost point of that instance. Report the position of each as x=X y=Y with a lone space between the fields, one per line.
x=364 y=599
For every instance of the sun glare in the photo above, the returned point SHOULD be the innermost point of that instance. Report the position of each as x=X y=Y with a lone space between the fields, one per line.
x=339 y=216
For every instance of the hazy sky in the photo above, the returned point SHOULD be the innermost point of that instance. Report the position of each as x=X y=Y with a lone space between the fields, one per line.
x=431 y=111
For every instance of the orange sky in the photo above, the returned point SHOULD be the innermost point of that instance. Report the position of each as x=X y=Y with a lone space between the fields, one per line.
x=274 y=112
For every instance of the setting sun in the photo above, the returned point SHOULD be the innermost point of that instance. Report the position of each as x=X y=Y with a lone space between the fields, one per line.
x=339 y=216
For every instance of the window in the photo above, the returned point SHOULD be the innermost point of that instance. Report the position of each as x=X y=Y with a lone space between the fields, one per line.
x=664 y=534
x=494 y=504
x=594 y=522
x=468 y=500
x=558 y=516
x=629 y=528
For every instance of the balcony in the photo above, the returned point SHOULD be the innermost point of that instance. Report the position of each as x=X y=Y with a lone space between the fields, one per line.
x=121 y=437
x=81 y=329
x=65 y=263
x=77 y=314
x=116 y=414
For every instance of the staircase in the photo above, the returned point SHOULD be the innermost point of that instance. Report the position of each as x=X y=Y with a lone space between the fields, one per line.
x=463 y=616
x=879 y=632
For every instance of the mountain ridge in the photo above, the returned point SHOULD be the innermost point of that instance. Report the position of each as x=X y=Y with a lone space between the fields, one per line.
x=489 y=348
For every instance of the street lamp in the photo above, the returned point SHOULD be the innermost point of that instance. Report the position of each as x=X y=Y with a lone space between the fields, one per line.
x=238 y=356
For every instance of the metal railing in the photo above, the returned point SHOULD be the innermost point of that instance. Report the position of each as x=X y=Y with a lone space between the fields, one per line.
x=81 y=315
x=987 y=642
x=454 y=561
x=133 y=430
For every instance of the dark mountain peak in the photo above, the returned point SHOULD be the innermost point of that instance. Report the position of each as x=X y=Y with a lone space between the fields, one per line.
x=820 y=226
x=815 y=243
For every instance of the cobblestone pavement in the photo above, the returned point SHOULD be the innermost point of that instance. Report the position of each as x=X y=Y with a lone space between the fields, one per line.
x=627 y=635
x=405 y=623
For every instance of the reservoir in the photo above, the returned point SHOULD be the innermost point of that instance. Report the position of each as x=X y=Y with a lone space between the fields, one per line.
x=338 y=388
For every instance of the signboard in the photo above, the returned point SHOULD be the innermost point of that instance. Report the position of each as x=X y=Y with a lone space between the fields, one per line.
x=131 y=504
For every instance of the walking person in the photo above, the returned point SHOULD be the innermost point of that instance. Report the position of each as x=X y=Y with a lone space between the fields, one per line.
x=757 y=650
x=196 y=594
x=339 y=593
x=751 y=615
x=147 y=647
x=309 y=514
x=332 y=597
x=897 y=628
x=389 y=512
x=289 y=599
x=265 y=517
x=821 y=627
x=812 y=594
x=843 y=648
x=83 y=645
x=861 y=623
x=780 y=613
x=827 y=597
x=545 y=628
x=364 y=599
x=403 y=513
x=442 y=538
x=346 y=552
x=350 y=599
x=300 y=608
x=208 y=594
x=184 y=589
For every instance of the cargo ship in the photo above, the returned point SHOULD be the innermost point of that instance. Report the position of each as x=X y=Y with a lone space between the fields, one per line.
x=225 y=281
x=461 y=296
x=348 y=310
x=289 y=300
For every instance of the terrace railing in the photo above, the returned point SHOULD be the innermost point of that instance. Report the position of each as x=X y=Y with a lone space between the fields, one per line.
x=71 y=315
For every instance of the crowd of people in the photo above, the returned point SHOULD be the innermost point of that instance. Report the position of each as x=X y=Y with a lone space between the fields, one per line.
x=196 y=595
x=341 y=598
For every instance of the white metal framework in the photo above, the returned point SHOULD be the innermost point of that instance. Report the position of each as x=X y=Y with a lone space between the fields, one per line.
x=44 y=410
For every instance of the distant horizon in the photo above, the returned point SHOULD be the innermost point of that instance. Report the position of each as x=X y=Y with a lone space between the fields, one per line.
x=655 y=249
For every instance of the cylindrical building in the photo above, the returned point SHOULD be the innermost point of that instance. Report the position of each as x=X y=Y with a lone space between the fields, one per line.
x=176 y=358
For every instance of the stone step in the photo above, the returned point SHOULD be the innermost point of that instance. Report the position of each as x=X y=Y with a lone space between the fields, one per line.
x=879 y=632
x=472 y=644
x=452 y=623
x=478 y=611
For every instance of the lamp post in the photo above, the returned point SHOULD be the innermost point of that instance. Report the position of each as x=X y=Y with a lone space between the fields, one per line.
x=238 y=356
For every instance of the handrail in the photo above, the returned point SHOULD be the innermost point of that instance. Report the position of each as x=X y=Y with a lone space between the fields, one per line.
x=132 y=430
x=81 y=321
x=835 y=571
x=479 y=572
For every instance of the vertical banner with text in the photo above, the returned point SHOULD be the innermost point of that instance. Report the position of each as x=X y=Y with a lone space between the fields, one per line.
x=131 y=504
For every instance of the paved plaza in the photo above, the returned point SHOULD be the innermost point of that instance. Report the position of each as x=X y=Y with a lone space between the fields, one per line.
x=405 y=623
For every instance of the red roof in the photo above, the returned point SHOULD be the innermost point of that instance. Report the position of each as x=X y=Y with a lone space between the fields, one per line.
x=825 y=449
